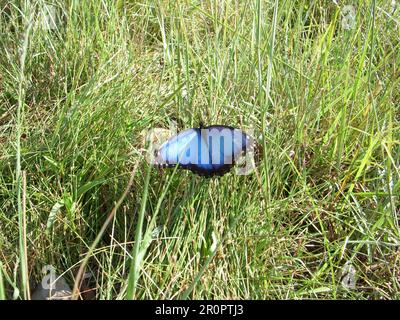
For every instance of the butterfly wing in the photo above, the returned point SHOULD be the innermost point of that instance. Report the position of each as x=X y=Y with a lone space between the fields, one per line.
x=227 y=143
x=173 y=150
x=242 y=143
x=206 y=151
x=231 y=144
x=217 y=148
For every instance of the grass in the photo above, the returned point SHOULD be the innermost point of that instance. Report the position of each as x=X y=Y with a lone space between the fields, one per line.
x=77 y=101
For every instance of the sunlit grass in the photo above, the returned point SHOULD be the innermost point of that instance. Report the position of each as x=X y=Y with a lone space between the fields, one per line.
x=76 y=103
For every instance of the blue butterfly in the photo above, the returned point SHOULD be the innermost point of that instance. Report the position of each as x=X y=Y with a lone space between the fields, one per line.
x=207 y=151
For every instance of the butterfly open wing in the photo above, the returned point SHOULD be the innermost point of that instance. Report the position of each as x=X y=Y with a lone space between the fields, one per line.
x=171 y=151
x=207 y=151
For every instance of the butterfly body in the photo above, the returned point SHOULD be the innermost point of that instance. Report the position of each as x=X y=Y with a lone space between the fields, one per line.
x=207 y=151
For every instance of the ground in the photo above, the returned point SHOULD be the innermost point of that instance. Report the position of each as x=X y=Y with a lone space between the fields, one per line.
x=318 y=82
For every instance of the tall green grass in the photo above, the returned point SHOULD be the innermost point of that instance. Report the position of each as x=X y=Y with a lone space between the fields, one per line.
x=77 y=101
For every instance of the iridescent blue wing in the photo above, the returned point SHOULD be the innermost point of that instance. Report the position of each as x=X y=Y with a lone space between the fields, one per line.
x=242 y=143
x=171 y=152
x=222 y=149
x=226 y=144
x=206 y=151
